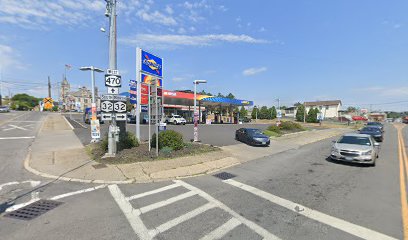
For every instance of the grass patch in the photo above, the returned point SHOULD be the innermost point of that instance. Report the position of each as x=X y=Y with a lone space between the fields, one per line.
x=272 y=133
x=141 y=153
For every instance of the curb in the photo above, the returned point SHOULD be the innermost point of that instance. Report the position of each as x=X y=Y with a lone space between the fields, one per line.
x=97 y=181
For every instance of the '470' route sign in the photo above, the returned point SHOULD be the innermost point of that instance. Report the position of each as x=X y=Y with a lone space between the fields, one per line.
x=113 y=81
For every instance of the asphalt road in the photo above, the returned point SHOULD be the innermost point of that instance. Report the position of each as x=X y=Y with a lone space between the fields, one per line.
x=297 y=194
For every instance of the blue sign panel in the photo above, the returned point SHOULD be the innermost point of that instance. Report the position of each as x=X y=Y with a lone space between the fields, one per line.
x=152 y=64
x=133 y=100
x=144 y=108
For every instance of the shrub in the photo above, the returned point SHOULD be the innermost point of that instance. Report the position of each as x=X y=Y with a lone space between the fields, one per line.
x=168 y=138
x=289 y=125
x=274 y=128
x=126 y=141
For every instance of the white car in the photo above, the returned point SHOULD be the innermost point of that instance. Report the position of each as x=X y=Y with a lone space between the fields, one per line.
x=176 y=119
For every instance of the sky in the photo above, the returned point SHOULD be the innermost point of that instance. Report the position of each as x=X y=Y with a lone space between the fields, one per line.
x=260 y=50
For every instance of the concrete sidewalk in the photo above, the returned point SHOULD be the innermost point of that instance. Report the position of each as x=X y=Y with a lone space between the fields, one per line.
x=57 y=153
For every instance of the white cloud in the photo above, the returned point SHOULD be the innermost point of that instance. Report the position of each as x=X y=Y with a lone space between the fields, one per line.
x=9 y=58
x=169 y=10
x=253 y=71
x=156 y=17
x=171 y=41
x=39 y=14
x=401 y=91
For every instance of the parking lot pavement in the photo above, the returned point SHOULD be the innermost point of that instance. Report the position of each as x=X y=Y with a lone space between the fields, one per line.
x=216 y=134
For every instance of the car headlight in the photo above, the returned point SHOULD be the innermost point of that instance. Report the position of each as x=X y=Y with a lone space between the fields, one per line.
x=335 y=150
x=367 y=153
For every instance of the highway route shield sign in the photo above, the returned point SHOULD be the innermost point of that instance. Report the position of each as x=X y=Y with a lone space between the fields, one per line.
x=119 y=107
x=107 y=106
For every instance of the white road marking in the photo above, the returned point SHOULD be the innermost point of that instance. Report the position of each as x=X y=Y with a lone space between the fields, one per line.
x=167 y=202
x=69 y=124
x=79 y=123
x=153 y=191
x=16 y=138
x=18 y=206
x=25 y=121
x=78 y=192
x=258 y=229
x=222 y=230
x=176 y=221
x=345 y=226
x=32 y=183
x=15 y=127
x=132 y=215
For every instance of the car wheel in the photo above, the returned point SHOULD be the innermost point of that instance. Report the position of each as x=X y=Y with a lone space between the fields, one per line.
x=175 y=122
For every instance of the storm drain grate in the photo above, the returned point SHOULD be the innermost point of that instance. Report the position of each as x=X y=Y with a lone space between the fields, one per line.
x=224 y=175
x=99 y=165
x=33 y=210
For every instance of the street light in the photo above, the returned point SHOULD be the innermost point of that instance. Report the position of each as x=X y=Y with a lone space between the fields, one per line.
x=196 y=82
x=93 y=70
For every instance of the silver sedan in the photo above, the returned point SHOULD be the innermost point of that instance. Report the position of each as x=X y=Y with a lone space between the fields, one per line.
x=359 y=148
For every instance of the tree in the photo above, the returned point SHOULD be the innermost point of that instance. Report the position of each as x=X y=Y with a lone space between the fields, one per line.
x=263 y=113
x=312 y=115
x=220 y=95
x=230 y=96
x=283 y=107
x=351 y=109
x=272 y=113
x=243 y=112
x=300 y=113
x=29 y=100
x=297 y=104
x=255 y=113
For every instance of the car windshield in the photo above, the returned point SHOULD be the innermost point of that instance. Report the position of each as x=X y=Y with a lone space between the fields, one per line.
x=370 y=129
x=177 y=116
x=254 y=131
x=355 y=140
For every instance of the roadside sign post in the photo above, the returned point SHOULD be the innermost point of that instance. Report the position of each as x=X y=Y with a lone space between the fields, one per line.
x=149 y=74
x=113 y=107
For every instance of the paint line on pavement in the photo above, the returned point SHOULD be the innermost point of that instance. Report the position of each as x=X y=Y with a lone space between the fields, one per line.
x=253 y=226
x=131 y=214
x=78 y=192
x=15 y=138
x=343 y=225
x=176 y=221
x=80 y=124
x=222 y=230
x=404 y=204
x=174 y=185
x=69 y=124
x=160 y=204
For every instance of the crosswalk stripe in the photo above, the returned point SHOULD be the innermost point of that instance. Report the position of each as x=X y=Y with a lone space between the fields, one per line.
x=176 y=221
x=258 y=229
x=174 y=185
x=131 y=214
x=345 y=226
x=219 y=232
x=166 y=202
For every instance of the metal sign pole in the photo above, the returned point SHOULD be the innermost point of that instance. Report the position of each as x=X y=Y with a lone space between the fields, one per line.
x=157 y=117
x=149 y=112
x=138 y=97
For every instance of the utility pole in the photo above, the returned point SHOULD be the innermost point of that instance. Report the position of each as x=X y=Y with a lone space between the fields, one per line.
x=49 y=87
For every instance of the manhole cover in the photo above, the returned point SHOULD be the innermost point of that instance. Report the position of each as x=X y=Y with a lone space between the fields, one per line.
x=224 y=175
x=100 y=165
x=33 y=210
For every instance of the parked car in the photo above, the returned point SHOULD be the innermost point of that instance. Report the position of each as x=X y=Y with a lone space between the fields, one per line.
x=373 y=131
x=359 y=118
x=175 y=119
x=88 y=116
x=245 y=120
x=4 y=109
x=132 y=119
x=358 y=148
x=252 y=136
x=378 y=124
